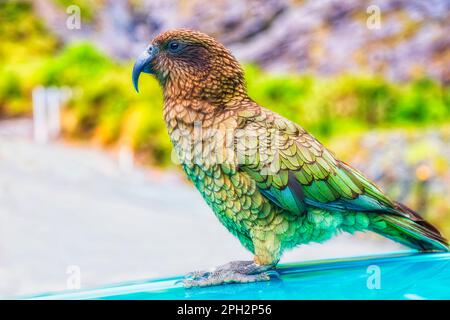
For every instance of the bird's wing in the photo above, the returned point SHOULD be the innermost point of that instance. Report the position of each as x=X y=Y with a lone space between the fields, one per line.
x=294 y=170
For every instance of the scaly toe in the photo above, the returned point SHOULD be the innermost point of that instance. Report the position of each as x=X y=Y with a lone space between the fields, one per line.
x=192 y=277
x=273 y=274
x=225 y=277
x=198 y=274
x=210 y=279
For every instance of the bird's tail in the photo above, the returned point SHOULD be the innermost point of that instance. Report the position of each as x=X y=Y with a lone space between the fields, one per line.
x=413 y=232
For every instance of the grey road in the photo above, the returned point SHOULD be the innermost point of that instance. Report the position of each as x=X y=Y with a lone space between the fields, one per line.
x=64 y=207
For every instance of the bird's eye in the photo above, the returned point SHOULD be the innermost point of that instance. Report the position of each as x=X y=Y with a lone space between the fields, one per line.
x=174 y=46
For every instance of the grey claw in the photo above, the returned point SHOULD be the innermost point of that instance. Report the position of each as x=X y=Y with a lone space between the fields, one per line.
x=187 y=283
x=197 y=275
x=273 y=274
x=232 y=272
x=222 y=277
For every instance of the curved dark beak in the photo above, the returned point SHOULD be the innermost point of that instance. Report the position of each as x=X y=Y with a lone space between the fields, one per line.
x=142 y=64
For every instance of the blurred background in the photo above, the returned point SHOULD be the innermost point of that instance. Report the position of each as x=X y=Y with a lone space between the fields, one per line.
x=88 y=192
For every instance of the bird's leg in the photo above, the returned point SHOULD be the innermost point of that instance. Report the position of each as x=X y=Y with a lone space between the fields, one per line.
x=232 y=272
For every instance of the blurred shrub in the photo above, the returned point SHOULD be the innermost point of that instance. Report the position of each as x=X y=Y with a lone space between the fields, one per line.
x=105 y=108
x=104 y=105
x=23 y=43
x=330 y=105
x=88 y=8
x=24 y=37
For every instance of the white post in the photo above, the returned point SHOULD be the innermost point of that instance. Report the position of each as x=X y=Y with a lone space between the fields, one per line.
x=47 y=112
x=53 y=111
x=40 y=130
x=126 y=158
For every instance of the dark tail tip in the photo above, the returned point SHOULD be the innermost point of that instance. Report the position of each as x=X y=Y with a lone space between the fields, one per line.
x=426 y=229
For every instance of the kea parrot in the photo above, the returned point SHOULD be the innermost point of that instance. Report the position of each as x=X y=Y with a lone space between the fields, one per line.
x=268 y=181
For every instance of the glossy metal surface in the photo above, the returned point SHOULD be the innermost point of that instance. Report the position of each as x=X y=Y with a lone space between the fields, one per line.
x=403 y=275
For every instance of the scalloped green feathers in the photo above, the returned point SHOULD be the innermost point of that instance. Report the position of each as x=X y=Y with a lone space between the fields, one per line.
x=299 y=171
x=303 y=175
x=295 y=193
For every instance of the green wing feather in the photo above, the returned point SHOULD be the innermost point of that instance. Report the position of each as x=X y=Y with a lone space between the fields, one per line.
x=299 y=171
x=295 y=171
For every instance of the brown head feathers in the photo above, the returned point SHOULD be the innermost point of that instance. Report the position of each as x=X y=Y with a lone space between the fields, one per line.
x=192 y=65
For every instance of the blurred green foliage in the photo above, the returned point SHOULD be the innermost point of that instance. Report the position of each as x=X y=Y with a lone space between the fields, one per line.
x=88 y=7
x=105 y=108
x=104 y=105
x=347 y=102
x=24 y=43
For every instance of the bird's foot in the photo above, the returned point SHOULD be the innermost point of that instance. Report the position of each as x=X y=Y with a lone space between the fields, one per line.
x=232 y=272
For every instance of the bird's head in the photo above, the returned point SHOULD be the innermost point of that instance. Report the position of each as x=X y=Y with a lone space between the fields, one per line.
x=191 y=64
